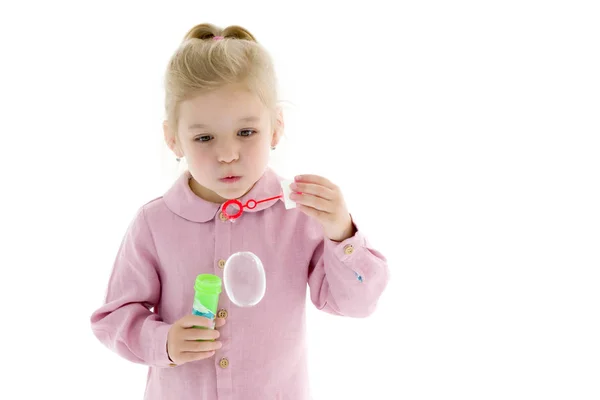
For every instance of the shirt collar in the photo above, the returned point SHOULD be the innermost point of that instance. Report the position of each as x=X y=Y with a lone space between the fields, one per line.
x=182 y=201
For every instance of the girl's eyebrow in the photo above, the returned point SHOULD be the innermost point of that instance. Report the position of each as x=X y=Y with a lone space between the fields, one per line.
x=245 y=119
x=249 y=119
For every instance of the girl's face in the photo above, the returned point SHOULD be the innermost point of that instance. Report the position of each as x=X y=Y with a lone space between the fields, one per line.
x=226 y=137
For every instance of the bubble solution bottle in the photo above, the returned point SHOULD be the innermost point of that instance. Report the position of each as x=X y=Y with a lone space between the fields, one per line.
x=206 y=297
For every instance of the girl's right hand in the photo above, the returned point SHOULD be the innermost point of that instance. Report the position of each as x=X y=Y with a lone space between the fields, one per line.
x=182 y=341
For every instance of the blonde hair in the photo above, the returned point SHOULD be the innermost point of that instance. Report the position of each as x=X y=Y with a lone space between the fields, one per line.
x=210 y=57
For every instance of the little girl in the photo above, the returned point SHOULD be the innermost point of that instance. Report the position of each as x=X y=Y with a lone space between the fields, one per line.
x=222 y=117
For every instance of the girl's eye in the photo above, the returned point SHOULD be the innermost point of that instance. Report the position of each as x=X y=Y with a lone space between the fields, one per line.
x=247 y=132
x=204 y=138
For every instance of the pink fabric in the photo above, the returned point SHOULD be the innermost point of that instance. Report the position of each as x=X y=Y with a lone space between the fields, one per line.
x=177 y=236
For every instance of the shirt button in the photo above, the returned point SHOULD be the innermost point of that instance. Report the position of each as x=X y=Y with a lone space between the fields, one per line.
x=172 y=365
x=221 y=264
x=223 y=217
x=222 y=313
x=348 y=249
x=224 y=363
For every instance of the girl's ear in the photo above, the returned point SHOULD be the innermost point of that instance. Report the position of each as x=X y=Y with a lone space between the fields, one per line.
x=171 y=140
x=278 y=129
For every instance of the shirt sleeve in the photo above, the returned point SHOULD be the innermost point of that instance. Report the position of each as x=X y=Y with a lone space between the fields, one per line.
x=124 y=323
x=347 y=278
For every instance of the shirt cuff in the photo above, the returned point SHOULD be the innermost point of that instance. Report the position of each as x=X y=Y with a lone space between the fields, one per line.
x=160 y=357
x=349 y=252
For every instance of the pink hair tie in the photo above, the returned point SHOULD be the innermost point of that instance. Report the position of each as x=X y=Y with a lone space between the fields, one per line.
x=217 y=37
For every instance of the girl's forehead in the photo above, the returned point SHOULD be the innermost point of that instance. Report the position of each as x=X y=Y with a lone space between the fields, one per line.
x=224 y=105
x=222 y=101
x=225 y=95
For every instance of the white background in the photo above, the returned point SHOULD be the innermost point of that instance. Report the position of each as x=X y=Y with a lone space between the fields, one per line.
x=465 y=136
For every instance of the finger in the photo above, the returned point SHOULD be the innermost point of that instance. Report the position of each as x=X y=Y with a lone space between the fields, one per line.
x=315 y=189
x=219 y=322
x=195 y=320
x=200 y=346
x=309 y=178
x=193 y=356
x=313 y=201
x=199 y=334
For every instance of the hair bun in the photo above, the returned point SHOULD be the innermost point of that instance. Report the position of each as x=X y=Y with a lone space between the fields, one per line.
x=237 y=32
x=203 y=31
x=209 y=31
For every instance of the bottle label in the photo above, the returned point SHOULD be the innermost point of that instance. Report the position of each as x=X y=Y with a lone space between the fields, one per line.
x=202 y=311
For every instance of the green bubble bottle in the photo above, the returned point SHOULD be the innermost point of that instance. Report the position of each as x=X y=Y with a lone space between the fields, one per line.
x=206 y=298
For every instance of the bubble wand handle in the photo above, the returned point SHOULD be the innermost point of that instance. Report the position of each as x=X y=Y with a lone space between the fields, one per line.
x=250 y=204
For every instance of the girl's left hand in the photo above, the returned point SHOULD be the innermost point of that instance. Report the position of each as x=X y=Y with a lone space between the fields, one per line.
x=322 y=200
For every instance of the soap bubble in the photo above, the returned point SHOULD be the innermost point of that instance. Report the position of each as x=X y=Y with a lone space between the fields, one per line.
x=244 y=279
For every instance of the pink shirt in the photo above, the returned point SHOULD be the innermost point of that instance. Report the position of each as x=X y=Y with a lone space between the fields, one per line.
x=177 y=236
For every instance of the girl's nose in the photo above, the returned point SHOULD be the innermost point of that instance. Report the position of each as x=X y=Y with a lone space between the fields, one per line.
x=228 y=154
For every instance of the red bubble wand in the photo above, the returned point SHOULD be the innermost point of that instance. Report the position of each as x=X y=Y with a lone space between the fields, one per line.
x=250 y=204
